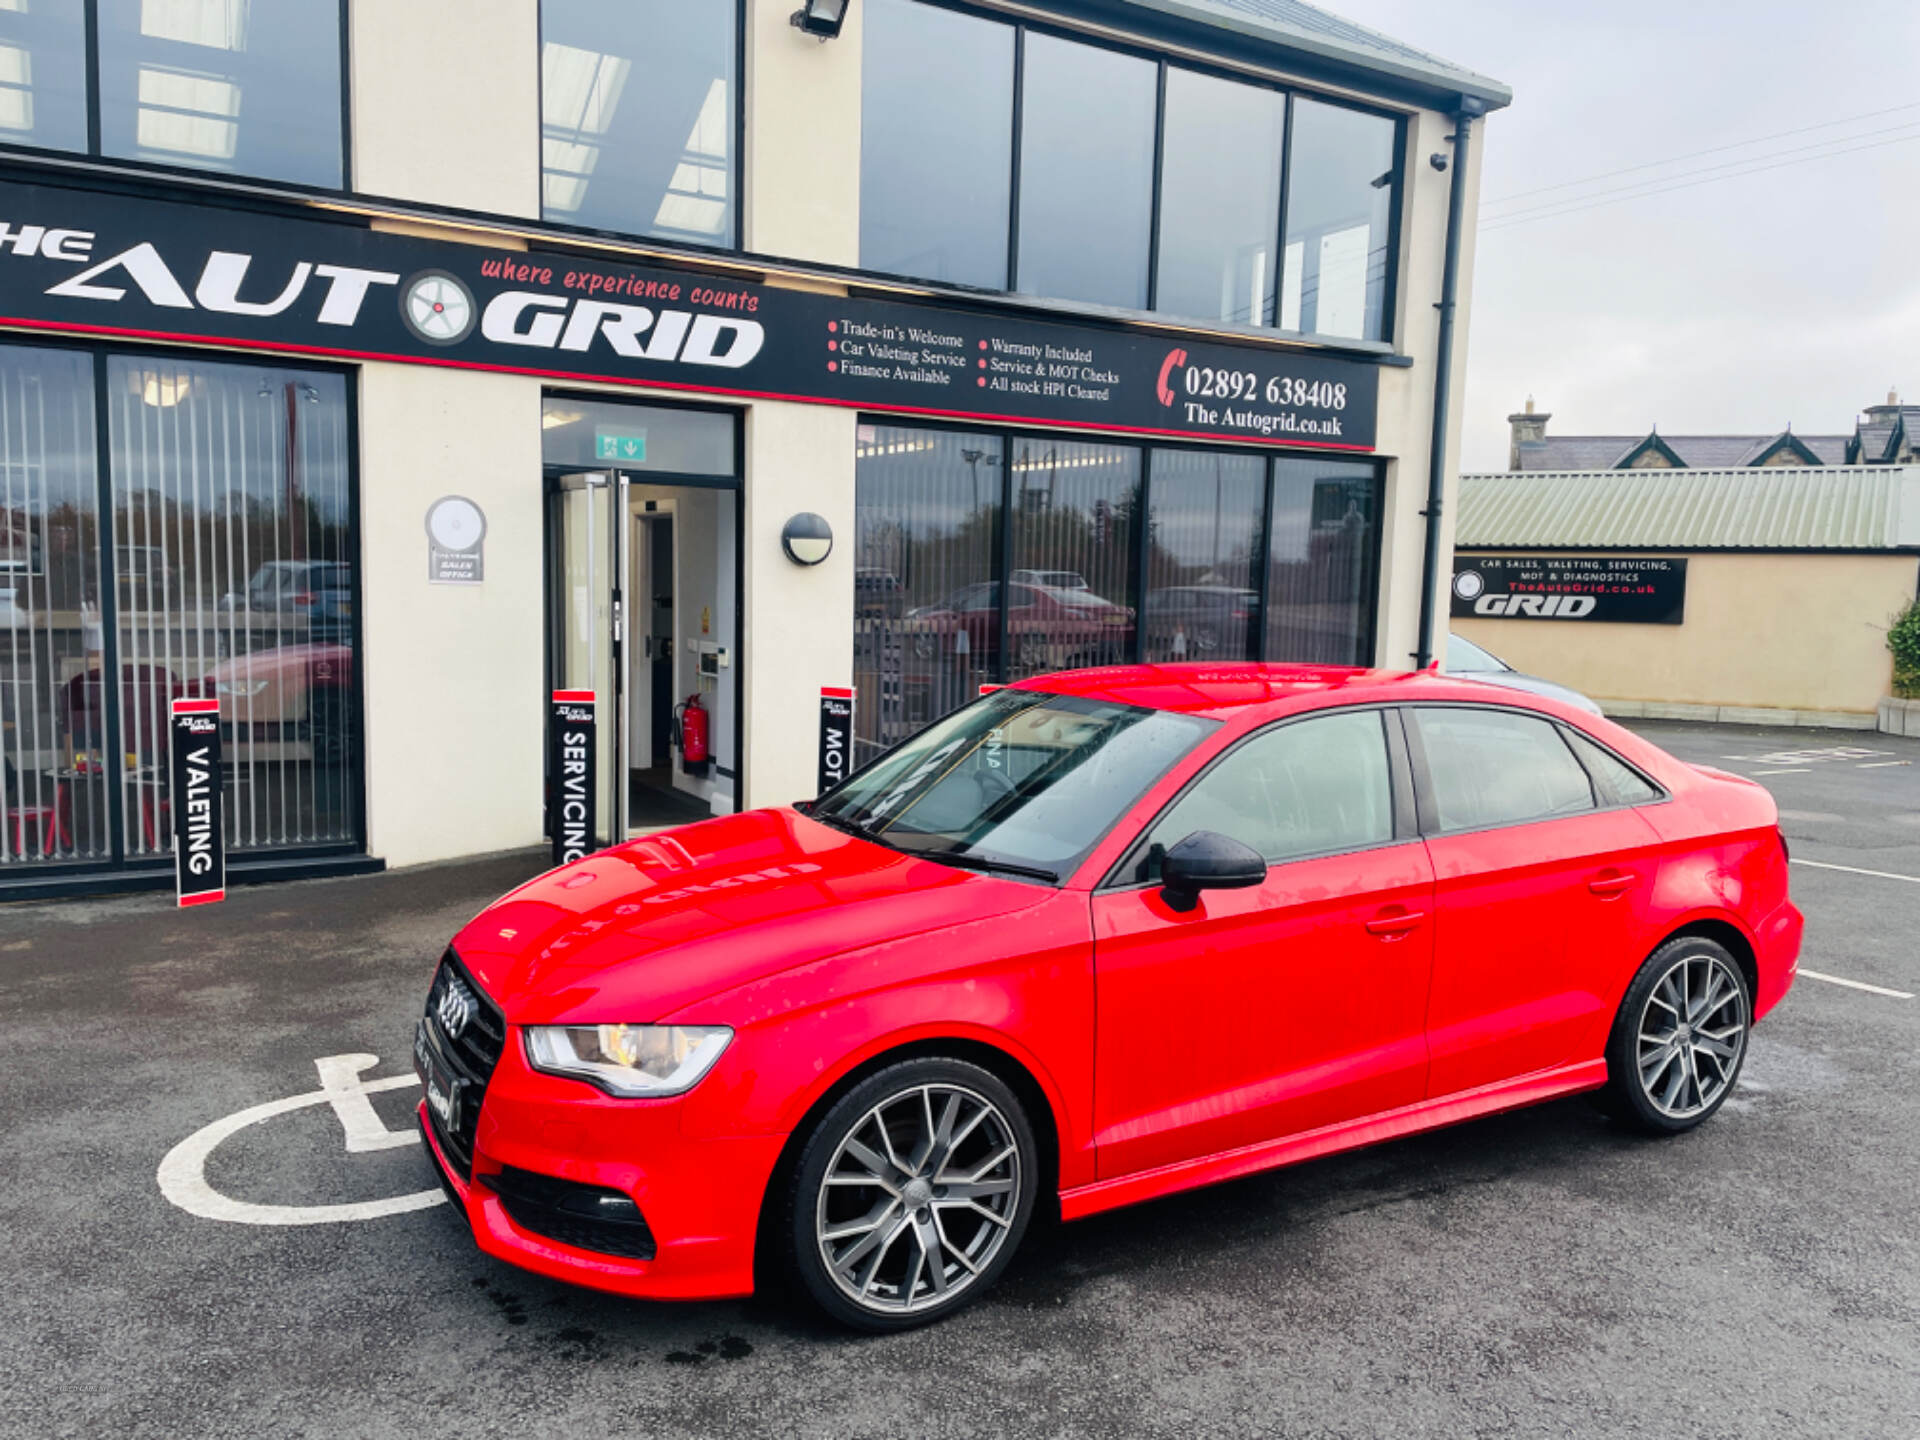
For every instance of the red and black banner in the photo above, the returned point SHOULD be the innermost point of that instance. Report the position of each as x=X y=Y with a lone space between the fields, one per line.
x=88 y=262
x=572 y=818
x=194 y=797
x=836 y=735
x=1616 y=589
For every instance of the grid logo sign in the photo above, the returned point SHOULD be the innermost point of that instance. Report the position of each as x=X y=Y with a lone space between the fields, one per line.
x=1621 y=589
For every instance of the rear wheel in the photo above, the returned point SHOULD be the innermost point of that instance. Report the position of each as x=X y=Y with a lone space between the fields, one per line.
x=912 y=1194
x=1680 y=1037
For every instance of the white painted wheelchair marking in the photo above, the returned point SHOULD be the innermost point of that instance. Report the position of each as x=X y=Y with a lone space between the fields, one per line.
x=183 y=1174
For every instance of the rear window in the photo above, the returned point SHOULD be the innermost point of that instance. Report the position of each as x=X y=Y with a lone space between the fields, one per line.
x=1618 y=782
x=1495 y=767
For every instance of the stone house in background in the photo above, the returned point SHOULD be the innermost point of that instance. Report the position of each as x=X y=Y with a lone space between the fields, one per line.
x=1886 y=434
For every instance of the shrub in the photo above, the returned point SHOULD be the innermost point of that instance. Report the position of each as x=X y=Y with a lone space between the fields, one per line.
x=1903 y=639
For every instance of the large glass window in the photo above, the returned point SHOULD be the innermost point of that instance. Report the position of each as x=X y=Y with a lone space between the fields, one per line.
x=1203 y=560
x=926 y=554
x=1070 y=600
x=1086 y=173
x=1323 y=561
x=224 y=85
x=1340 y=197
x=936 y=143
x=1219 y=198
x=43 y=73
x=637 y=103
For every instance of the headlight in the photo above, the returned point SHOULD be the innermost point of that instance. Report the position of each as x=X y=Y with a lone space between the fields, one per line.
x=628 y=1060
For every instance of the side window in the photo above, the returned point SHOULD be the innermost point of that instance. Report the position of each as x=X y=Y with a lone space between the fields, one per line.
x=1618 y=782
x=1306 y=788
x=1493 y=767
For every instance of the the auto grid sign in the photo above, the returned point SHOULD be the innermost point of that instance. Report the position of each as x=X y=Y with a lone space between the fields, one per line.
x=1626 y=589
x=325 y=284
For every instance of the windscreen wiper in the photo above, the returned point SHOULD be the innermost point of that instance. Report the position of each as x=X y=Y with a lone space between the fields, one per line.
x=852 y=827
x=966 y=860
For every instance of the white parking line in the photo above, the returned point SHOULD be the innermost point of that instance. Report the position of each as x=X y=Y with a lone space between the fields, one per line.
x=1807 y=974
x=1782 y=772
x=1881 y=764
x=1856 y=870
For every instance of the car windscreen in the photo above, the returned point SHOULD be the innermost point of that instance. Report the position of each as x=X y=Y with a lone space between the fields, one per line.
x=1020 y=781
x=1466 y=658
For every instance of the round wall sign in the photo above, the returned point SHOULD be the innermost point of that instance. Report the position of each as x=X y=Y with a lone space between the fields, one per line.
x=455 y=523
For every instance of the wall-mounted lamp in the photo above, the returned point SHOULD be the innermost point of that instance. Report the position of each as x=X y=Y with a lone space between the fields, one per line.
x=807 y=539
x=821 y=17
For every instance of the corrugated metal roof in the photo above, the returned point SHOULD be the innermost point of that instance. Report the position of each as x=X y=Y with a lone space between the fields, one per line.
x=1850 y=508
x=1302 y=27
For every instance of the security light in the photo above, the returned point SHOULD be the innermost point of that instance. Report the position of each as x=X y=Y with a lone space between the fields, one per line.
x=807 y=539
x=821 y=17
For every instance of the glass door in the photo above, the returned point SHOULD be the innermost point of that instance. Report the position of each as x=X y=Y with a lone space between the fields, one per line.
x=586 y=535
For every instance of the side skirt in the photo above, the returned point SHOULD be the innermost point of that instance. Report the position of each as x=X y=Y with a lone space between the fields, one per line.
x=1091 y=1199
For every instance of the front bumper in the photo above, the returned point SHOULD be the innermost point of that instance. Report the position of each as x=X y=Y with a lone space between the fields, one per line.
x=700 y=1196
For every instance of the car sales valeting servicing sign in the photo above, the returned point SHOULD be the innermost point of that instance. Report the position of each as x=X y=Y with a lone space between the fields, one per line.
x=193 y=794
x=1628 y=589
x=324 y=283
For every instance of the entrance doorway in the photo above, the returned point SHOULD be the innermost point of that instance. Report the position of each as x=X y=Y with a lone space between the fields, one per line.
x=643 y=610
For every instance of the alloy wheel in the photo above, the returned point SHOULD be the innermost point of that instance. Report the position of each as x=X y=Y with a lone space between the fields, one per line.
x=918 y=1199
x=1693 y=1031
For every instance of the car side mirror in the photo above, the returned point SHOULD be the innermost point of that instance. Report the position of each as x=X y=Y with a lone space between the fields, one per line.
x=1208 y=860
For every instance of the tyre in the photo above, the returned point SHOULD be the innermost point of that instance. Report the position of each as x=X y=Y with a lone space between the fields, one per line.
x=911 y=1194
x=1680 y=1037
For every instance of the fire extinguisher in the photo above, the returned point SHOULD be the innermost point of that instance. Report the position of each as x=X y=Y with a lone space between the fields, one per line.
x=690 y=735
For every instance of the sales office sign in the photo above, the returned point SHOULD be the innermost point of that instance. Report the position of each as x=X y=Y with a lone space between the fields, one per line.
x=85 y=262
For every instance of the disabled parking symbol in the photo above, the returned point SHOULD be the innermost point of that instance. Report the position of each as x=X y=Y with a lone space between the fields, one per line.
x=183 y=1173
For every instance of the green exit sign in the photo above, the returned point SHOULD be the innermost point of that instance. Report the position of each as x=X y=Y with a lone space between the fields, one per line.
x=632 y=448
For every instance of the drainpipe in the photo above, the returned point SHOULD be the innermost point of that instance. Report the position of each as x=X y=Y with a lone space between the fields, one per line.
x=1443 y=375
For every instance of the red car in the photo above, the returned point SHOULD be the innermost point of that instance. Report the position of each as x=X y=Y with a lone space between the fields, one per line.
x=1099 y=937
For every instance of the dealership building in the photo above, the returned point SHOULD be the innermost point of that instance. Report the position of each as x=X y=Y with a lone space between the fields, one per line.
x=377 y=371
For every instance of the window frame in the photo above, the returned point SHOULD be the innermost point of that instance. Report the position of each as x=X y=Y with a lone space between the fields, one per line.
x=118 y=868
x=733 y=243
x=1142 y=48
x=90 y=31
x=1120 y=877
x=1423 y=771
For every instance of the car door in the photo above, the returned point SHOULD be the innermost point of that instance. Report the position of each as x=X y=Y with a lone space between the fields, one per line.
x=1282 y=1008
x=1541 y=892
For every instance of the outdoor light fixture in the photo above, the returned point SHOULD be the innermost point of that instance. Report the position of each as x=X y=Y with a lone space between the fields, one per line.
x=821 y=17
x=808 y=539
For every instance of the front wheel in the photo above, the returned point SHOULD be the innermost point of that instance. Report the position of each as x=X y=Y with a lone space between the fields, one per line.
x=1680 y=1037
x=912 y=1194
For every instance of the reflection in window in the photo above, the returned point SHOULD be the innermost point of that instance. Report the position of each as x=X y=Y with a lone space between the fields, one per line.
x=1339 y=209
x=1203 y=599
x=1070 y=600
x=1324 y=560
x=637 y=117
x=234 y=581
x=1219 y=199
x=224 y=84
x=1493 y=767
x=926 y=630
x=936 y=138
x=1086 y=173
x=43 y=73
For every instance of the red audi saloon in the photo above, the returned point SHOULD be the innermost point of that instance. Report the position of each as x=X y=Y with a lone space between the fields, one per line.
x=1098 y=937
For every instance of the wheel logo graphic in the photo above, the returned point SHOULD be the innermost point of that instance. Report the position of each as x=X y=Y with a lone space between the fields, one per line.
x=437 y=307
x=1468 y=584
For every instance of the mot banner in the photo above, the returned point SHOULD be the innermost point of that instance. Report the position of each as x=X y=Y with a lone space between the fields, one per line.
x=836 y=735
x=570 y=738
x=193 y=795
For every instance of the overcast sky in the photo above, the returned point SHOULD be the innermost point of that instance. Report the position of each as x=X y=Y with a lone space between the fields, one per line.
x=1733 y=307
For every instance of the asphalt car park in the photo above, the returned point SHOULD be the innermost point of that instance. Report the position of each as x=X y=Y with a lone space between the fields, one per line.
x=291 y=1272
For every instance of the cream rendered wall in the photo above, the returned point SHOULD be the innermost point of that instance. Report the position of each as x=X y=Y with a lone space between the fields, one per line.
x=799 y=630
x=803 y=138
x=452 y=673
x=1788 y=632
x=446 y=102
x=1406 y=393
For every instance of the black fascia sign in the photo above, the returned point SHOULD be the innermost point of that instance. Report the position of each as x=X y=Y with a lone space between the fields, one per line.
x=573 y=820
x=836 y=736
x=1621 y=589
x=94 y=263
x=194 y=797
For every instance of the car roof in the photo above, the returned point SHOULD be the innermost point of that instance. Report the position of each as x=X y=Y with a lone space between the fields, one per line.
x=1223 y=691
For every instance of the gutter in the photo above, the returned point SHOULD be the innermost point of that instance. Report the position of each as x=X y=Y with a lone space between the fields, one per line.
x=1443 y=376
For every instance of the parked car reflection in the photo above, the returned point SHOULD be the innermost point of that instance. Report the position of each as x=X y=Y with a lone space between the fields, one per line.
x=1058 y=627
x=1199 y=622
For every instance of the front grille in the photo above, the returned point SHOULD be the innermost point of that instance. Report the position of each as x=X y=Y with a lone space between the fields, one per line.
x=587 y=1217
x=471 y=1052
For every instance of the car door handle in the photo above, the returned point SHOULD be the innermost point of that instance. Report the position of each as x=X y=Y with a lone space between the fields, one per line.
x=1396 y=923
x=1609 y=883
